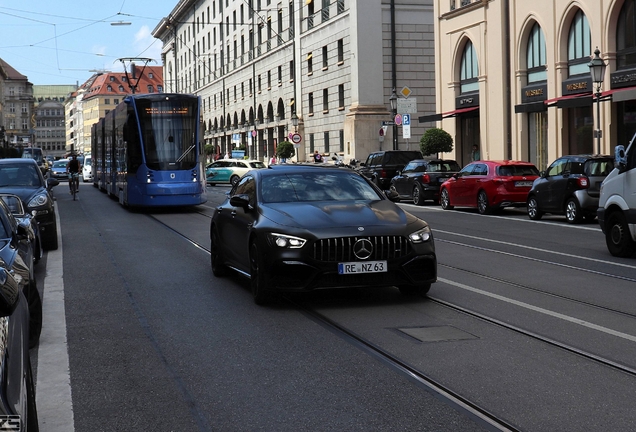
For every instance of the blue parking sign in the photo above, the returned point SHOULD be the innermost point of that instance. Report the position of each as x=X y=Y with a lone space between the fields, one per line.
x=406 y=119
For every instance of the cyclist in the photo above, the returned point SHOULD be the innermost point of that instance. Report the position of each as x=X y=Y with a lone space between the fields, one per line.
x=73 y=168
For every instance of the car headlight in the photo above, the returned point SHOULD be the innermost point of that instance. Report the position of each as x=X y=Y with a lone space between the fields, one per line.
x=286 y=241
x=38 y=201
x=421 y=236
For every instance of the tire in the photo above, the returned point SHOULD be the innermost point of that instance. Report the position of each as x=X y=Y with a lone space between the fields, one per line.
x=617 y=236
x=418 y=195
x=234 y=180
x=444 y=200
x=49 y=240
x=219 y=269
x=414 y=290
x=35 y=314
x=533 y=209
x=573 y=212
x=259 y=281
x=482 y=203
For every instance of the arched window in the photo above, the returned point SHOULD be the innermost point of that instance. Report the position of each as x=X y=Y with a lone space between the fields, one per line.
x=536 y=55
x=626 y=35
x=469 y=70
x=579 y=45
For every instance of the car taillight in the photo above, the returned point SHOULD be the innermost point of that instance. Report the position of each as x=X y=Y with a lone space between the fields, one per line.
x=426 y=178
x=583 y=182
x=383 y=174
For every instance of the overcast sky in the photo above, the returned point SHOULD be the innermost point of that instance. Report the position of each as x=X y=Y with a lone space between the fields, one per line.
x=62 y=41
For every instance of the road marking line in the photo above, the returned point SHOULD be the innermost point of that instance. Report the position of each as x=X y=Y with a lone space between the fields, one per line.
x=541 y=310
x=536 y=249
x=53 y=386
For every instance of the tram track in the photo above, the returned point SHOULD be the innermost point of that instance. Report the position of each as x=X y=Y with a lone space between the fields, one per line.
x=479 y=414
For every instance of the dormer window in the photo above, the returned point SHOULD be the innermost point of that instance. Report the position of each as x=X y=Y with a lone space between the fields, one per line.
x=121 y=88
x=112 y=78
x=110 y=88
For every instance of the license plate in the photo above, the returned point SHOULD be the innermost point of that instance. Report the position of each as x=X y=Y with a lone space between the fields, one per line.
x=362 y=267
x=523 y=184
x=443 y=179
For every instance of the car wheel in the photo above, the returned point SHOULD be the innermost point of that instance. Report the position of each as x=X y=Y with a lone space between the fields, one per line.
x=35 y=313
x=259 y=281
x=219 y=269
x=444 y=200
x=482 y=203
x=49 y=239
x=533 y=209
x=418 y=195
x=414 y=290
x=234 y=180
x=617 y=236
x=573 y=213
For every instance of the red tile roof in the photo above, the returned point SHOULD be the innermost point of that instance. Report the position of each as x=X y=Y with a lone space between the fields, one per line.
x=116 y=83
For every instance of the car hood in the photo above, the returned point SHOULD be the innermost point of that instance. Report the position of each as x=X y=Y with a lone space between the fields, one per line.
x=338 y=214
x=24 y=192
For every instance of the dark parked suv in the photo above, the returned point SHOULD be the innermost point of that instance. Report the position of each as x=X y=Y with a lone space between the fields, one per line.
x=570 y=186
x=420 y=179
x=381 y=166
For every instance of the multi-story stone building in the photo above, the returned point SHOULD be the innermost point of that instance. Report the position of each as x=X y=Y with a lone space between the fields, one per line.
x=259 y=66
x=50 y=126
x=513 y=76
x=101 y=93
x=16 y=106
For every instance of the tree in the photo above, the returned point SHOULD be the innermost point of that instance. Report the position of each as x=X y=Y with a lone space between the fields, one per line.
x=209 y=149
x=436 y=141
x=285 y=150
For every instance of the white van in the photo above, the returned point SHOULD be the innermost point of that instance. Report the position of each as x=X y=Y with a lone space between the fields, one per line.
x=87 y=169
x=617 y=203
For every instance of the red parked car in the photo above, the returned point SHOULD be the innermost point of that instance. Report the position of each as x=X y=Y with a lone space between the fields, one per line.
x=489 y=185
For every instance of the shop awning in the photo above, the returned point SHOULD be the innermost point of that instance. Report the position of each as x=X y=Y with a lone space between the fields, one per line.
x=438 y=117
x=620 y=94
x=531 y=107
x=570 y=101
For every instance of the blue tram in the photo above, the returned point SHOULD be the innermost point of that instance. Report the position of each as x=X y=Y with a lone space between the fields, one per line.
x=146 y=151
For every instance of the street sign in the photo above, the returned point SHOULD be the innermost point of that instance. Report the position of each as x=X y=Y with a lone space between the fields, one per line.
x=398 y=119
x=253 y=133
x=406 y=92
x=407 y=106
x=406 y=128
x=388 y=123
x=296 y=138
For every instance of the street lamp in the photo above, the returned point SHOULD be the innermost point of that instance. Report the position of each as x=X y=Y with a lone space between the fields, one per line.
x=393 y=101
x=597 y=70
x=294 y=120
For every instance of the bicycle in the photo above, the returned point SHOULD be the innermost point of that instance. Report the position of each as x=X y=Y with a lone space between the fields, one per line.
x=74 y=179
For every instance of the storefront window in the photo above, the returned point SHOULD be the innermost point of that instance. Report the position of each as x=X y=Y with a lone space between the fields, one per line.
x=538 y=139
x=626 y=35
x=581 y=126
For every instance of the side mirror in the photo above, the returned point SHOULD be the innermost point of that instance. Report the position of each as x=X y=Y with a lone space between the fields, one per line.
x=242 y=201
x=392 y=195
x=363 y=164
x=620 y=158
x=9 y=292
x=51 y=182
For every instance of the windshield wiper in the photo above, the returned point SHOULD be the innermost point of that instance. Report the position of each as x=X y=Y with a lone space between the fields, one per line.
x=185 y=153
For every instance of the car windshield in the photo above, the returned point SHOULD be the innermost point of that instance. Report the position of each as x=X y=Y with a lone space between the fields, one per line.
x=60 y=164
x=257 y=164
x=19 y=175
x=316 y=186
x=517 y=170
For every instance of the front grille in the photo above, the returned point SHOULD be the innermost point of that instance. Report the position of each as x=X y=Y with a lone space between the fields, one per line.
x=341 y=249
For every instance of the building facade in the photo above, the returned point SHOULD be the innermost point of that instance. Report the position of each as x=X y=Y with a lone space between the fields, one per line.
x=260 y=66
x=101 y=93
x=16 y=107
x=513 y=77
x=50 y=125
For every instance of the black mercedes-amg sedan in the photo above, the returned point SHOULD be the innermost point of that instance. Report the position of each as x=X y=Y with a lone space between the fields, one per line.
x=304 y=227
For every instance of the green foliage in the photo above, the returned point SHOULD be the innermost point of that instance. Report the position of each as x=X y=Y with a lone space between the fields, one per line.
x=209 y=149
x=436 y=141
x=285 y=150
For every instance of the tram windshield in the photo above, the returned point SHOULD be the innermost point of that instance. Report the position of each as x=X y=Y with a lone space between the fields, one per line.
x=169 y=129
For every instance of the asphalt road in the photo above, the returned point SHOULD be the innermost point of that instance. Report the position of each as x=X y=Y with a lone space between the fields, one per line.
x=532 y=322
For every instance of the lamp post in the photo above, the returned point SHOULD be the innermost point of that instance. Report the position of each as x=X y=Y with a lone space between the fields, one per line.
x=393 y=101
x=597 y=70
x=294 y=120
